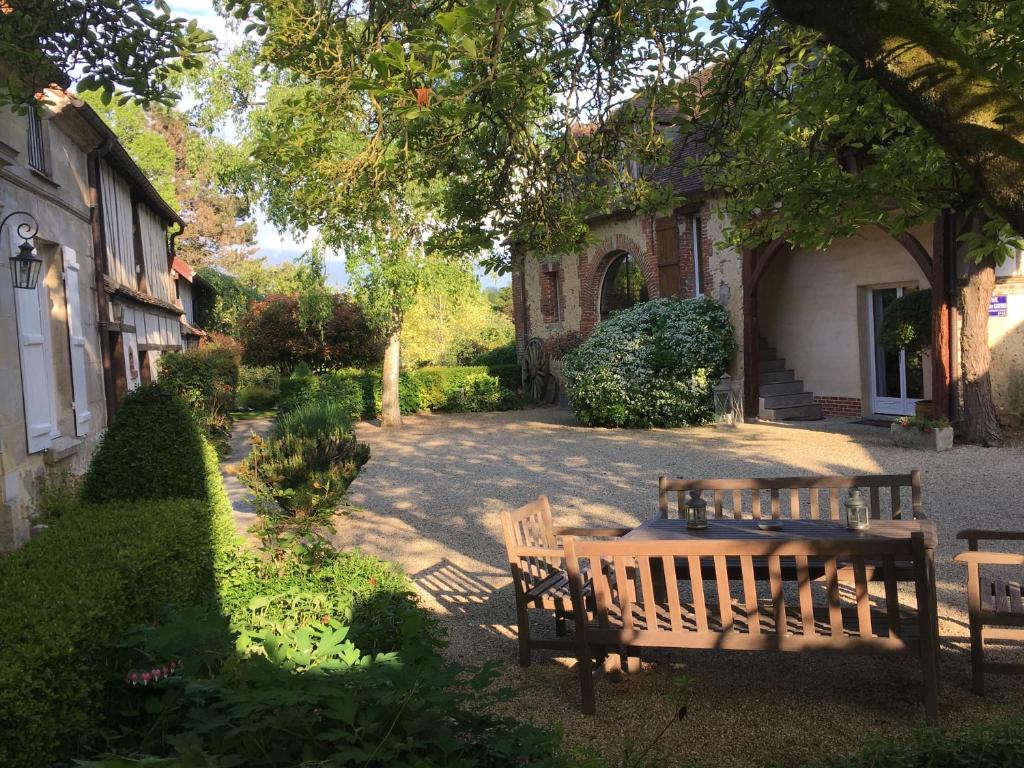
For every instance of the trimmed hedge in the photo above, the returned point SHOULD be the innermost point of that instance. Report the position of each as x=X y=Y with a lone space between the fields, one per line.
x=72 y=592
x=437 y=388
x=152 y=450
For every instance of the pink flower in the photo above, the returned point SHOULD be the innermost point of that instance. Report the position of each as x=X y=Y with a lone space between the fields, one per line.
x=145 y=677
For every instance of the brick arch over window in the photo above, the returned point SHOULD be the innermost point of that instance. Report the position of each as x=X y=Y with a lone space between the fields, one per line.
x=592 y=275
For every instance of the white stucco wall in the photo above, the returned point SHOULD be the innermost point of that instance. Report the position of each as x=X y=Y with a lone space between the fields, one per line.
x=813 y=307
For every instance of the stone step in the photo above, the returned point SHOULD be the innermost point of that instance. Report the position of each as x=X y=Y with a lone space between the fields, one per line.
x=809 y=412
x=777 y=377
x=768 y=366
x=768 y=353
x=784 y=401
x=781 y=388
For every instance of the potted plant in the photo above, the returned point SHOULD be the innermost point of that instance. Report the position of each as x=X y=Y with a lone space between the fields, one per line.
x=929 y=434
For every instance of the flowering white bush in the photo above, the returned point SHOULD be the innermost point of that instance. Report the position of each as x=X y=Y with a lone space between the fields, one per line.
x=652 y=365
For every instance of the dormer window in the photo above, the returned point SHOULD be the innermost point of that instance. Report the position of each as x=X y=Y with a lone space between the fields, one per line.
x=37 y=142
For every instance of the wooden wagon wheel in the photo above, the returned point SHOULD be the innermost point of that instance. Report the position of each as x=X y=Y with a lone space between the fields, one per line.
x=535 y=370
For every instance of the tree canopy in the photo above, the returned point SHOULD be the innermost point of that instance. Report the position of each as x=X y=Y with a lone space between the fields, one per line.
x=129 y=47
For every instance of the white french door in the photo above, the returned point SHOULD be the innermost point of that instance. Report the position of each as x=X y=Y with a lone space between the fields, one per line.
x=896 y=383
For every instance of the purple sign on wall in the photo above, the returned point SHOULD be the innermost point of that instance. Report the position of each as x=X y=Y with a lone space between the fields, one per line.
x=997 y=307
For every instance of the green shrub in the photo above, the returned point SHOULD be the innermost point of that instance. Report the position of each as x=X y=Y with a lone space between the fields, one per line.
x=410 y=393
x=206 y=378
x=69 y=594
x=301 y=371
x=308 y=460
x=442 y=388
x=152 y=450
x=503 y=355
x=265 y=376
x=652 y=365
x=479 y=392
x=256 y=398
x=56 y=494
x=350 y=389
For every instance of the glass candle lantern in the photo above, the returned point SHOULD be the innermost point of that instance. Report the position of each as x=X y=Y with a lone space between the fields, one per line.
x=728 y=403
x=857 y=518
x=696 y=511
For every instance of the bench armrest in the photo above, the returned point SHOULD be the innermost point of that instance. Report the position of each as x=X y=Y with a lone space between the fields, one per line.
x=989 y=558
x=538 y=552
x=976 y=534
x=600 y=533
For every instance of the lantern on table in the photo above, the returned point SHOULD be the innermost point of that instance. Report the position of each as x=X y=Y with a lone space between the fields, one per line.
x=696 y=511
x=728 y=405
x=857 y=518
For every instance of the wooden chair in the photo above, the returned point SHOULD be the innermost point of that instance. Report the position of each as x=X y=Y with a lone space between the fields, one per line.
x=539 y=579
x=996 y=607
x=810 y=497
x=628 y=612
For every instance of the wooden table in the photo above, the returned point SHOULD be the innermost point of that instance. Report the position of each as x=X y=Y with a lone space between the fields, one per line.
x=724 y=529
x=816 y=534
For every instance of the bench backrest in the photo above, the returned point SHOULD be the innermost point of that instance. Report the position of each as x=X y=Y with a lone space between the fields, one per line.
x=530 y=544
x=700 y=608
x=810 y=497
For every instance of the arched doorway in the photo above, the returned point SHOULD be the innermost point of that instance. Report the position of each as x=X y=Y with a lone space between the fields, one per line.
x=935 y=275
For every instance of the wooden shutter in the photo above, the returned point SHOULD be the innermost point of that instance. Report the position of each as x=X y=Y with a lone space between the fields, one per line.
x=36 y=364
x=666 y=237
x=76 y=342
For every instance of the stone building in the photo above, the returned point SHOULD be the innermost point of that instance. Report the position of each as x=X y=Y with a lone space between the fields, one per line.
x=103 y=308
x=806 y=322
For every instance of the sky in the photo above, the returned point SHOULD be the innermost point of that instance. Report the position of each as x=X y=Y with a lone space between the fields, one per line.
x=276 y=246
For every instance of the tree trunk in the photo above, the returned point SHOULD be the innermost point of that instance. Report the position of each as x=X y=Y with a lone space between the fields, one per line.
x=936 y=81
x=976 y=357
x=390 y=410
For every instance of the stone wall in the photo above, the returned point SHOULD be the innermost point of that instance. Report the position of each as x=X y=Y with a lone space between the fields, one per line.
x=59 y=202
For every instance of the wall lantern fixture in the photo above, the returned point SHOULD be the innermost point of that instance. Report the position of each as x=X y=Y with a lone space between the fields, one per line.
x=26 y=266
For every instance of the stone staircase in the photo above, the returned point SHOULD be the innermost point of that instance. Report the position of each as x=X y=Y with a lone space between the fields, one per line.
x=781 y=396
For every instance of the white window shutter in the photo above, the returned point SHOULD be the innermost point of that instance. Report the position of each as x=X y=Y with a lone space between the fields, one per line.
x=76 y=339
x=36 y=364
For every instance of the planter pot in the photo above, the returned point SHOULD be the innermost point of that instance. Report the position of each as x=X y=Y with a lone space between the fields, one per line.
x=915 y=437
x=924 y=409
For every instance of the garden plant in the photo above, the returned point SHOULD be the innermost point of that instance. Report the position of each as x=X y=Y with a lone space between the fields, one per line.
x=653 y=365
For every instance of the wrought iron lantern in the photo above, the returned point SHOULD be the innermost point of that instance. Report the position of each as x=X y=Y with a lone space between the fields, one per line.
x=728 y=403
x=857 y=518
x=26 y=266
x=696 y=511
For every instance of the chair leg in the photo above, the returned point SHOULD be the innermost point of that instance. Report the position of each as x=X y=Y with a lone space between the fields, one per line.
x=560 y=624
x=523 y=620
x=585 y=668
x=632 y=660
x=977 y=657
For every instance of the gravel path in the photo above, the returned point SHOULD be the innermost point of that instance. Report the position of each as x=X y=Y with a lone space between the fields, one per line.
x=430 y=499
x=238 y=494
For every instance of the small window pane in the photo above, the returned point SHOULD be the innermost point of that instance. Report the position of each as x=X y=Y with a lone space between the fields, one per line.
x=623 y=285
x=36 y=145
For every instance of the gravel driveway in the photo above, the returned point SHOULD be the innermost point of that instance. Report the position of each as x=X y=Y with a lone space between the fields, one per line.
x=430 y=499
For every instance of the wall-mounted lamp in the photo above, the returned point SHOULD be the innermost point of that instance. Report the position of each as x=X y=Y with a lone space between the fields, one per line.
x=26 y=266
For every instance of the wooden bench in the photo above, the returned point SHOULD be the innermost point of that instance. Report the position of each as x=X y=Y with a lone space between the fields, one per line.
x=995 y=606
x=793 y=498
x=539 y=579
x=622 y=576
x=811 y=497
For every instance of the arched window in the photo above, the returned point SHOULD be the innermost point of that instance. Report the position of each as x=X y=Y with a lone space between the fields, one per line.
x=623 y=285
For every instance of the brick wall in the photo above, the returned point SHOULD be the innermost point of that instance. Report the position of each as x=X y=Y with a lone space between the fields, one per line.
x=840 y=407
x=519 y=313
x=595 y=261
x=552 y=293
